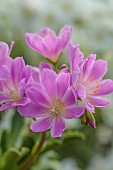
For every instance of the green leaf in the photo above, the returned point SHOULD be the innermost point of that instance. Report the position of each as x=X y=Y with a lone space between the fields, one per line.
x=10 y=158
x=17 y=125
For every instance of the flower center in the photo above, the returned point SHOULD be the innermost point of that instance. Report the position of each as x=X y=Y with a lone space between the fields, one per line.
x=57 y=108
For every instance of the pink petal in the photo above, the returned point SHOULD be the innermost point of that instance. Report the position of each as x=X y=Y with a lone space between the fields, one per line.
x=88 y=106
x=46 y=31
x=42 y=124
x=35 y=42
x=16 y=69
x=65 y=34
x=75 y=55
x=98 y=101
x=33 y=110
x=69 y=98
x=88 y=64
x=58 y=127
x=6 y=106
x=27 y=73
x=81 y=91
x=35 y=74
x=4 y=72
x=48 y=81
x=61 y=84
x=4 y=52
x=106 y=87
x=73 y=112
x=99 y=69
x=38 y=95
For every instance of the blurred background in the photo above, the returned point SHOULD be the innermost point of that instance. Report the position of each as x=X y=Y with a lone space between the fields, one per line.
x=92 y=22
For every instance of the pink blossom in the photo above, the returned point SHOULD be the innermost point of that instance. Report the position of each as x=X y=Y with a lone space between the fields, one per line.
x=48 y=44
x=13 y=83
x=51 y=101
x=88 y=83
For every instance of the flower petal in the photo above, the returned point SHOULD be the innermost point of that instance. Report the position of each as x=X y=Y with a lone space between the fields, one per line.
x=33 y=110
x=81 y=92
x=99 y=69
x=16 y=69
x=61 y=84
x=48 y=81
x=106 y=87
x=69 y=98
x=75 y=55
x=98 y=101
x=6 y=106
x=35 y=42
x=58 y=127
x=88 y=64
x=73 y=112
x=38 y=95
x=65 y=34
x=88 y=106
x=42 y=124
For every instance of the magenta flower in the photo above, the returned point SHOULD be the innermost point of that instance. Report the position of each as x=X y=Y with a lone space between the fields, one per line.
x=13 y=83
x=48 y=44
x=88 y=84
x=52 y=101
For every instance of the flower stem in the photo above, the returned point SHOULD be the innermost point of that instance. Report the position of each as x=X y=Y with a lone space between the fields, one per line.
x=30 y=161
x=56 y=68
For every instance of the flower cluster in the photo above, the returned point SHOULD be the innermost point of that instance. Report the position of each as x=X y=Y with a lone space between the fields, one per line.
x=48 y=94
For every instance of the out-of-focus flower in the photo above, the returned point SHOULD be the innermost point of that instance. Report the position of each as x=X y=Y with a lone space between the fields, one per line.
x=13 y=83
x=52 y=101
x=48 y=44
x=88 y=84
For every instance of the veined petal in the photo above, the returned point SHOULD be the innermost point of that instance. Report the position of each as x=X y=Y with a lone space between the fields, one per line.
x=58 y=126
x=4 y=52
x=48 y=81
x=27 y=73
x=88 y=65
x=65 y=34
x=99 y=69
x=88 y=106
x=98 y=101
x=16 y=72
x=6 y=106
x=35 y=74
x=22 y=102
x=35 y=42
x=43 y=65
x=46 y=31
x=38 y=95
x=61 y=84
x=106 y=87
x=69 y=98
x=73 y=112
x=4 y=72
x=81 y=92
x=33 y=110
x=75 y=55
x=42 y=124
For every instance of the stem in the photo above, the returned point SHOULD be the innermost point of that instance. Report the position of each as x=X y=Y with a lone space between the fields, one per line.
x=56 y=68
x=36 y=153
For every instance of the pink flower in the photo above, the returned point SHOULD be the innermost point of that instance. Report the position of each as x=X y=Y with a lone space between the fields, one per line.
x=13 y=83
x=52 y=101
x=88 y=84
x=48 y=44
